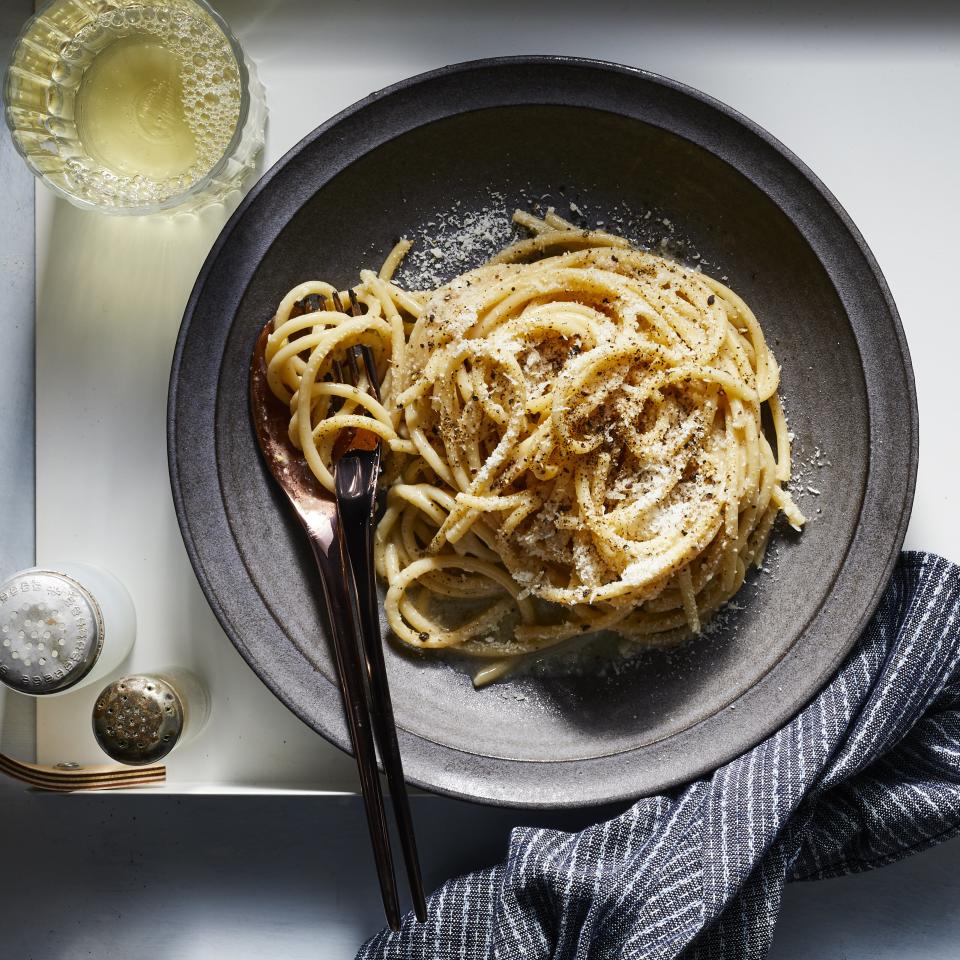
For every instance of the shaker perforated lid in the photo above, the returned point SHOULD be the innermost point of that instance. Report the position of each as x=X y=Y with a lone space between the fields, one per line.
x=51 y=632
x=138 y=719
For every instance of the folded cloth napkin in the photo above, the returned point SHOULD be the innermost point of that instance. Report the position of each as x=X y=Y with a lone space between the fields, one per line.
x=868 y=773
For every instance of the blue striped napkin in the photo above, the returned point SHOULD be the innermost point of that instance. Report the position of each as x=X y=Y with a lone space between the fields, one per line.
x=868 y=773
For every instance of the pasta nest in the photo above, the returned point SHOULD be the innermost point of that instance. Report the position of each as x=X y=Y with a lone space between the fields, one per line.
x=575 y=436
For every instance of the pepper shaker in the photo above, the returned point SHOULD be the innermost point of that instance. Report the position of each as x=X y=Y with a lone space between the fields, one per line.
x=140 y=719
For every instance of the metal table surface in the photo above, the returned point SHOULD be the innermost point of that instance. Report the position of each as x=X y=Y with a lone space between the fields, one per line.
x=867 y=96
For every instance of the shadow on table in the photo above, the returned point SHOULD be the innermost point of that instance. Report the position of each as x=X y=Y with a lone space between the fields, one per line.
x=907 y=910
x=199 y=877
x=191 y=878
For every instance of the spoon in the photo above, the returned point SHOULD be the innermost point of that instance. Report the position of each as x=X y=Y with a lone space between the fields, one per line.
x=317 y=512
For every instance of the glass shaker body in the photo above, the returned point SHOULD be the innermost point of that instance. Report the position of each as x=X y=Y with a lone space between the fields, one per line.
x=63 y=627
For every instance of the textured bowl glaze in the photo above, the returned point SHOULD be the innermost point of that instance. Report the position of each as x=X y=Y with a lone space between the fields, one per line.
x=494 y=134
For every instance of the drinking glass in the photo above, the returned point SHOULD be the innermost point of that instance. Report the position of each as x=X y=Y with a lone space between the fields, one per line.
x=134 y=106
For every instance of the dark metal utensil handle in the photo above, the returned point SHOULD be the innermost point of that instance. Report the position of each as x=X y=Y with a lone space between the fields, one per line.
x=334 y=574
x=356 y=516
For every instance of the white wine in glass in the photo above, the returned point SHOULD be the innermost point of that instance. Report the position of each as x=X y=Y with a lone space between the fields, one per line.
x=134 y=107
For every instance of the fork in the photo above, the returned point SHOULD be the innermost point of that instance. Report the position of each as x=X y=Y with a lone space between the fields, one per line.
x=356 y=474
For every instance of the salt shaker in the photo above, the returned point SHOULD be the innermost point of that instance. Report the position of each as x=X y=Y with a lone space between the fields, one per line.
x=62 y=627
x=140 y=719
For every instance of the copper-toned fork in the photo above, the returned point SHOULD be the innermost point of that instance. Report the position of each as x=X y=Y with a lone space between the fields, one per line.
x=317 y=512
x=356 y=474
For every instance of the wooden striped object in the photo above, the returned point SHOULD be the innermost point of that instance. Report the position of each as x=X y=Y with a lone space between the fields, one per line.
x=61 y=780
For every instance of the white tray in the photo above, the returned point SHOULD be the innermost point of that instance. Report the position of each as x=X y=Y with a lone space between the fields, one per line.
x=110 y=293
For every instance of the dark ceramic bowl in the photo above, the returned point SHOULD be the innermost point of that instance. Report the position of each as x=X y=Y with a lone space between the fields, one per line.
x=492 y=135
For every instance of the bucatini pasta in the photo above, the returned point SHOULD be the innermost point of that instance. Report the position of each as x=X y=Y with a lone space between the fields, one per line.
x=573 y=439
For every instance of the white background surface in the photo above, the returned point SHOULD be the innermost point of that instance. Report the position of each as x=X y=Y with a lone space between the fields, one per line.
x=866 y=97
